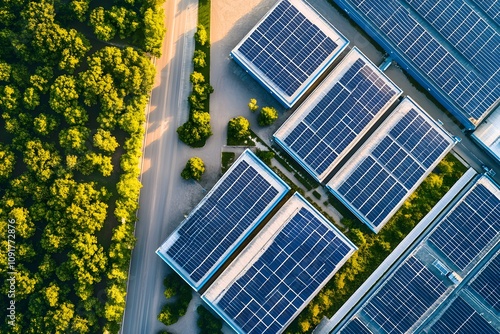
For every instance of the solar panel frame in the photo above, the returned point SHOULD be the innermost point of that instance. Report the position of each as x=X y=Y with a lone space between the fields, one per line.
x=486 y=283
x=395 y=307
x=332 y=120
x=291 y=293
x=300 y=79
x=465 y=226
x=375 y=202
x=217 y=204
x=461 y=318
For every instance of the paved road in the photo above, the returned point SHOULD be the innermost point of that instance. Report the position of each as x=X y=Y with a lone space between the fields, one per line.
x=165 y=197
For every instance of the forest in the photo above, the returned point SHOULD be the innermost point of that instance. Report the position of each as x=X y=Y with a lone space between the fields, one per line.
x=75 y=79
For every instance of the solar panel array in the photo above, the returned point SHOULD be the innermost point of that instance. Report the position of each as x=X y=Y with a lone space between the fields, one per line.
x=359 y=97
x=463 y=28
x=464 y=66
x=392 y=165
x=288 y=47
x=487 y=283
x=284 y=274
x=469 y=228
x=461 y=318
x=491 y=8
x=231 y=210
x=404 y=297
x=355 y=327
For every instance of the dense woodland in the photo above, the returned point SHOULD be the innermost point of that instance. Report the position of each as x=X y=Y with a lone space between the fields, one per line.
x=75 y=78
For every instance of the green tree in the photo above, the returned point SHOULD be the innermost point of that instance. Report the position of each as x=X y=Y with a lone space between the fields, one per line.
x=238 y=127
x=124 y=20
x=195 y=167
x=201 y=35
x=267 y=116
x=7 y=162
x=73 y=138
x=101 y=24
x=252 y=105
x=31 y=98
x=199 y=59
x=105 y=141
x=154 y=30
x=196 y=78
x=44 y=124
x=207 y=322
x=41 y=159
x=168 y=315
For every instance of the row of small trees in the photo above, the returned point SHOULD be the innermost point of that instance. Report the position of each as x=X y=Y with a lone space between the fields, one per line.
x=179 y=294
x=197 y=129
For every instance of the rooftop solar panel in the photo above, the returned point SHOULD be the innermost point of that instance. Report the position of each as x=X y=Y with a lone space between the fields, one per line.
x=391 y=164
x=471 y=226
x=289 y=48
x=461 y=318
x=404 y=297
x=491 y=8
x=487 y=283
x=222 y=220
x=280 y=271
x=339 y=112
x=447 y=45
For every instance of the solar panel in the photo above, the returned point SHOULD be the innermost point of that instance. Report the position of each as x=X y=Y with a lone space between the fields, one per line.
x=288 y=47
x=491 y=8
x=393 y=162
x=455 y=49
x=283 y=267
x=227 y=214
x=461 y=318
x=336 y=115
x=487 y=283
x=355 y=326
x=404 y=297
x=470 y=227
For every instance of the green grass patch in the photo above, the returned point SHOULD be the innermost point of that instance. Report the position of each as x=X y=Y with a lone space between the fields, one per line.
x=226 y=161
x=232 y=141
x=316 y=194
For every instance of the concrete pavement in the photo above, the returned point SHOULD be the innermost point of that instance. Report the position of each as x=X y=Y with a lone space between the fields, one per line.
x=165 y=197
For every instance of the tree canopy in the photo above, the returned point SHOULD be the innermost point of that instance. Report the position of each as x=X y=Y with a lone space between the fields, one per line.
x=267 y=116
x=194 y=169
x=238 y=127
x=72 y=104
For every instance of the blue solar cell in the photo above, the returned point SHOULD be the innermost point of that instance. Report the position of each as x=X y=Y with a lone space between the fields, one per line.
x=467 y=230
x=404 y=297
x=293 y=42
x=409 y=149
x=240 y=197
x=280 y=289
x=338 y=118
x=487 y=284
x=461 y=318
x=473 y=44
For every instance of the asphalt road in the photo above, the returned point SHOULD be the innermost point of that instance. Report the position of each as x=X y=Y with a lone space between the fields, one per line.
x=165 y=197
